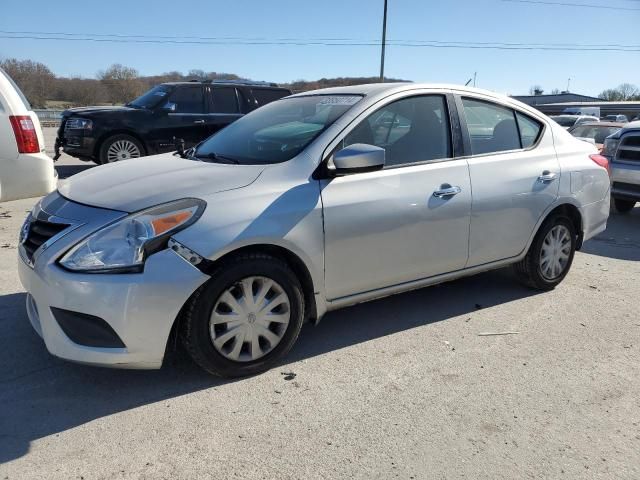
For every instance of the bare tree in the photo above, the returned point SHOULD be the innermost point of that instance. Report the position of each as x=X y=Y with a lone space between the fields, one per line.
x=34 y=79
x=536 y=90
x=555 y=91
x=121 y=83
x=621 y=93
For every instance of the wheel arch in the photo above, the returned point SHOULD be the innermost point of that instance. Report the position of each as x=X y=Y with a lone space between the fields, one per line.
x=569 y=210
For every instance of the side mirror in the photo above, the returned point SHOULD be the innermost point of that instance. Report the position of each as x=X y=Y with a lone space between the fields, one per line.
x=168 y=107
x=357 y=158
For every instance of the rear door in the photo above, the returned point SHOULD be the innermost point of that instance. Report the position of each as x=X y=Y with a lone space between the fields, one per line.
x=183 y=117
x=515 y=176
x=223 y=107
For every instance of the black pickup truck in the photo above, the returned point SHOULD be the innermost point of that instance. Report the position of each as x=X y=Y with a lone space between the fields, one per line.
x=152 y=123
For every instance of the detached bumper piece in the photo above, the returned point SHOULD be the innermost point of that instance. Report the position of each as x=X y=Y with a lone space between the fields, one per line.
x=87 y=330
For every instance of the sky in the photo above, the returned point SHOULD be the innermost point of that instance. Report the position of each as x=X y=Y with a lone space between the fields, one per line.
x=474 y=22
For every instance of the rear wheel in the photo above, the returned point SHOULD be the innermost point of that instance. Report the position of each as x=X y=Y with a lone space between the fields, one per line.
x=624 y=206
x=245 y=318
x=550 y=256
x=120 y=147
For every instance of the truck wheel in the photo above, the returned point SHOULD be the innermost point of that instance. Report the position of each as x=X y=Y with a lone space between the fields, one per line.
x=624 y=206
x=247 y=317
x=120 y=147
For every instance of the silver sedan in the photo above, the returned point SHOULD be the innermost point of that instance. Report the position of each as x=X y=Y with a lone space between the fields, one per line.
x=314 y=202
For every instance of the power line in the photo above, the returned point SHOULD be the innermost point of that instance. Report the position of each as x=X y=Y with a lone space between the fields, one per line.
x=567 y=4
x=417 y=44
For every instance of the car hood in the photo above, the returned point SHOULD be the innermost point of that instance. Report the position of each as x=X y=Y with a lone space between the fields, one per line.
x=81 y=111
x=135 y=184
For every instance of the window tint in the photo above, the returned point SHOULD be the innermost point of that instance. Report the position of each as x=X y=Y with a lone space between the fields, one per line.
x=492 y=128
x=224 y=100
x=529 y=129
x=411 y=130
x=187 y=100
x=266 y=95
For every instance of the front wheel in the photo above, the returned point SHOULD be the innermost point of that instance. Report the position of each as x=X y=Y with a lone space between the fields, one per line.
x=245 y=318
x=550 y=256
x=120 y=147
x=624 y=206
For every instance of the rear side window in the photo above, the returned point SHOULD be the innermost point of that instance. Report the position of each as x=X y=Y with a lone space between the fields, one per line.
x=266 y=95
x=492 y=127
x=187 y=100
x=529 y=129
x=224 y=100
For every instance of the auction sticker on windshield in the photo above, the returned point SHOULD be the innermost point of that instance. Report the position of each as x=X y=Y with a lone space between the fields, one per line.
x=340 y=100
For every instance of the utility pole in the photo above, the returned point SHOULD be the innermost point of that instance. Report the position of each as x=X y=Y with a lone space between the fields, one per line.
x=568 y=83
x=384 y=41
x=474 y=78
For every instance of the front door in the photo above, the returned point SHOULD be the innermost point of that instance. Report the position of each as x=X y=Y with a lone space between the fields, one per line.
x=515 y=176
x=182 y=117
x=405 y=222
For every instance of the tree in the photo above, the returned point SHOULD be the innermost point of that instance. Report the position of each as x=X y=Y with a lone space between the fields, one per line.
x=121 y=83
x=555 y=91
x=536 y=90
x=621 y=93
x=34 y=79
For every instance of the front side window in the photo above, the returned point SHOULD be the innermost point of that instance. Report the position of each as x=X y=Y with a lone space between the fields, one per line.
x=276 y=132
x=187 y=100
x=492 y=128
x=223 y=100
x=414 y=129
x=268 y=95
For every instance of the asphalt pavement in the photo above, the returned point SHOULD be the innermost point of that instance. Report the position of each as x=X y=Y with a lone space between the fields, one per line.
x=403 y=387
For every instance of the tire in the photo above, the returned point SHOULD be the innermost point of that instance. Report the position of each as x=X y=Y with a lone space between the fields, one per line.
x=624 y=206
x=213 y=347
x=120 y=147
x=532 y=271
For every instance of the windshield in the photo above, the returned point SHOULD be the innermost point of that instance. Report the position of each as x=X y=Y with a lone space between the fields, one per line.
x=152 y=98
x=276 y=132
x=565 y=121
x=596 y=132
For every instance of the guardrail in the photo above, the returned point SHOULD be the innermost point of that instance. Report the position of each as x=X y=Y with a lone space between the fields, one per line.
x=49 y=118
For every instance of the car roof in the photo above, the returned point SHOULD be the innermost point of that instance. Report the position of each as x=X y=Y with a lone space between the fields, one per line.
x=230 y=83
x=601 y=124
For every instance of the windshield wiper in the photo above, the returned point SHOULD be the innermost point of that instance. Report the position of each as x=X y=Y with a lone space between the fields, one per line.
x=216 y=157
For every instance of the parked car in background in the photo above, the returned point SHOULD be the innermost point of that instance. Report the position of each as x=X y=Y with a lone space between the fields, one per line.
x=153 y=122
x=623 y=151
x=568 y=121
x=615 y=118
x=595 y=132
x=312 y=203
x=25 y=170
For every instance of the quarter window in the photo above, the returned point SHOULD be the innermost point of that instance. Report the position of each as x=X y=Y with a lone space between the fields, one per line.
x=187 y=100
x=529 y=129
x=414 y=129
x=224 y=100
x=492 y=128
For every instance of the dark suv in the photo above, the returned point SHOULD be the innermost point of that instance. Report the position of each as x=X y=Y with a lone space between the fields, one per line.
x=154 y=122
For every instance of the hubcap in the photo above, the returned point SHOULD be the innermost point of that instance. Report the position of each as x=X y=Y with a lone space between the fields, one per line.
x=555 y=252
x=249 y=319
x=122 y=150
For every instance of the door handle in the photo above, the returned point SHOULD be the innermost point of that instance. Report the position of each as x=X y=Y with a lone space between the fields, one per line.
x=446 y=190
x=198 y=121
x=547 y=176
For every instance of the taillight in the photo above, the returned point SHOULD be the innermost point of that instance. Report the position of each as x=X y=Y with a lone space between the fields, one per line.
x=602 y=161
x=25 y=132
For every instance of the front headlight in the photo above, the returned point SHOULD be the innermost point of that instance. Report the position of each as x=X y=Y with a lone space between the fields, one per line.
x=125 y=244
x=610 y=147
x=76 y=123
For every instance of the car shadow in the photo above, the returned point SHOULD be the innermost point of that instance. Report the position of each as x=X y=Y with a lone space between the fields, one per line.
x=41 y=395
x=621 y=239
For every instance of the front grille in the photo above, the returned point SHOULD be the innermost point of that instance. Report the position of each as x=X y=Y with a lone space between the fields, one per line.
x=629 y=149
x=39 y=233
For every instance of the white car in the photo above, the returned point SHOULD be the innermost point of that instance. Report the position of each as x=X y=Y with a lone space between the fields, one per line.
x=25 y=170
x=308 y=204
